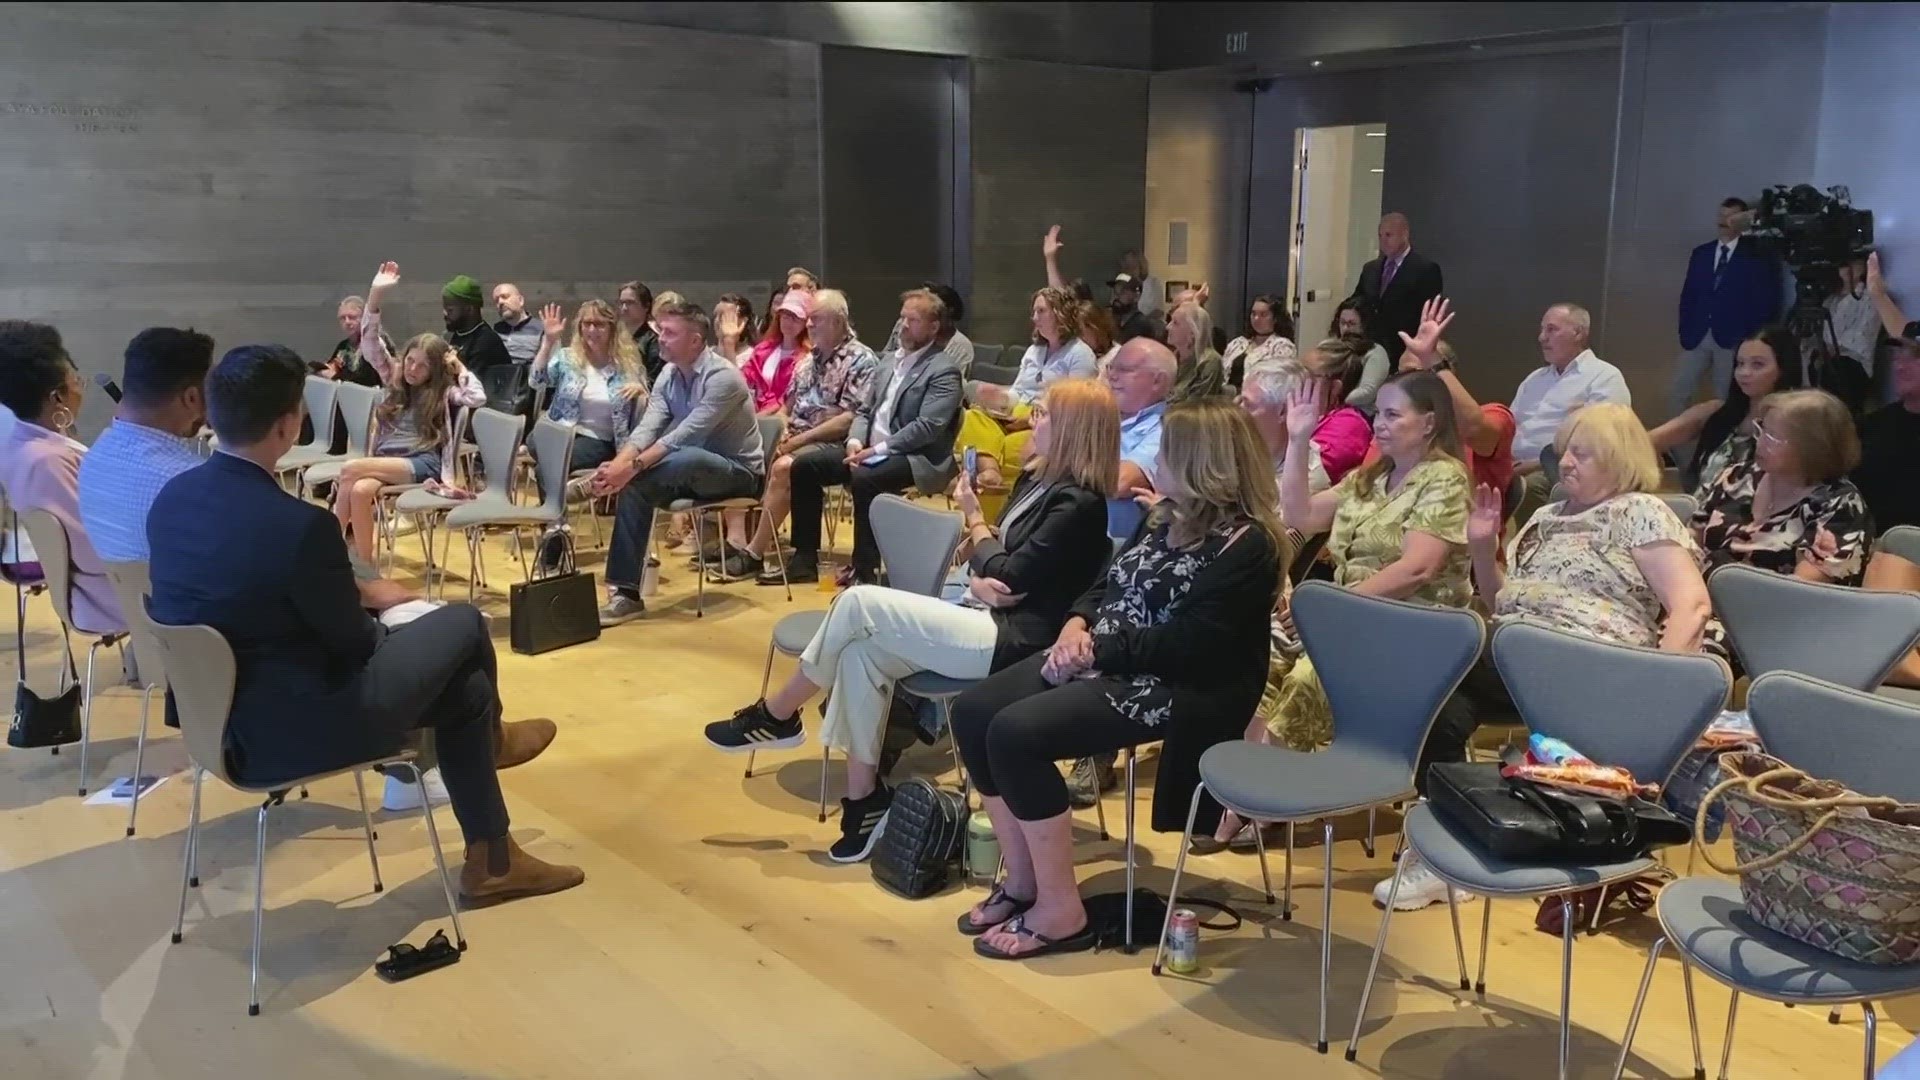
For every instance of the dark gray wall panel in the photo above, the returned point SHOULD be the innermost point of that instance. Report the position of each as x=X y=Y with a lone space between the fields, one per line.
x=1051 y=144
x=888 y=131
x=241 y=167
x=1869 y=137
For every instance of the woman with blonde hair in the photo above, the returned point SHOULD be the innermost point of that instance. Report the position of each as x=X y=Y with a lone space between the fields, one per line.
x=1023 y=575
x=995 y=428
x=597 y=379
x=1170 y=644
x=1190 y=336
x=414 y=442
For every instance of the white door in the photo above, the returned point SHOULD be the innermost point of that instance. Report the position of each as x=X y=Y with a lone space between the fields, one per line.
x=1338 y=178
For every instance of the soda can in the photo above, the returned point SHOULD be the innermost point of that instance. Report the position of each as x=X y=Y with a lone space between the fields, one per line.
x=1183 y=942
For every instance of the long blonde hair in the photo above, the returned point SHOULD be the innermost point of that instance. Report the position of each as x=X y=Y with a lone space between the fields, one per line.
x=1214 y=470
x=427 y=402
x=626 y=355
x=1083 y=436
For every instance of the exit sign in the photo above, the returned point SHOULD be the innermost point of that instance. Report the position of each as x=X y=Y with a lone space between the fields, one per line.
x=1236 y=43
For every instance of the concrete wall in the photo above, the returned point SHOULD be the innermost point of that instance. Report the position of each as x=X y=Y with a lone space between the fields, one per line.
x=1199 y=138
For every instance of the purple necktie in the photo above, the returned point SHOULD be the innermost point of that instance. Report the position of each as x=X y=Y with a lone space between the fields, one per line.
x=1386 y=275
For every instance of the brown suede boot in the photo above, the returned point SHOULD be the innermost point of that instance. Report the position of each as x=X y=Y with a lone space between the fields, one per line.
x=497 y=871
x=522 y=741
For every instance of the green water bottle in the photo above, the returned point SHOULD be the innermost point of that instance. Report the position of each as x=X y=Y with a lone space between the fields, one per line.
x=983 y=849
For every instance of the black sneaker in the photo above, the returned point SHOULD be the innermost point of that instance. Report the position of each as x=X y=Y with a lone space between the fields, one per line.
x=798 y=573
x=754 y=728
x=861 y=823
x=738 y=566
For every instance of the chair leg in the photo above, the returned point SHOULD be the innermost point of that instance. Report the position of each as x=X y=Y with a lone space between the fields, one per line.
x=700 y=583
x=766 y=680
x=86 y=716
x=780 y=558
x=1100 y=813
x=1266 y=878
x=1873 y=1024
x=259 y=900
x=1372 y=814
x=1129 y=945
x=1566 y=981
x=1833 y=1015
x=1373 y=966
x=825 y=753
x=366 y=818
x=187 y=876
x=1693 y=1019
x=1459 y=950
x=139 y=758
x=1400 y=845
x=1726 y=1046
x=1639 y=1003
x=1179 y=867
x=439 y=857
x=1326 y=924
x=1486 y=934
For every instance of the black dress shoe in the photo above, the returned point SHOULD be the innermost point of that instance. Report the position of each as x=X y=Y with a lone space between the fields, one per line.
x=798 y=573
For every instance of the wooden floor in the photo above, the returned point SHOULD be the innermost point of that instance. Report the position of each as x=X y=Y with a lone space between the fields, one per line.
x=714 y=939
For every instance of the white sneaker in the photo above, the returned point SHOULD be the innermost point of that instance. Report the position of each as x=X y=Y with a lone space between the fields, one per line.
x=1418 y=886
x=403 y=794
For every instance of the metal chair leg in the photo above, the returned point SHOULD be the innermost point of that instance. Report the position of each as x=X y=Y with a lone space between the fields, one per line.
x=366 y=818
x=1326 y=925
x=1459 y=950
x=187 y=875
x=1373 y=966
x=1693 y=1019
x=825 y=753
x=1372 y=814
x=766 y=680
x=1099 y=809
x=1833 y=1015
x=139 y=758
x=1639 y=1003
x=1266 y=878
x=1566 y=981
x=259 y=900
x=1873 y=1025
x=700 y=577
x=439 y=857
x=1129 y=947
x=86 y=715
x=1179 y=867
x=1726 y=1046
x=1486 y=934
x=1286 y=881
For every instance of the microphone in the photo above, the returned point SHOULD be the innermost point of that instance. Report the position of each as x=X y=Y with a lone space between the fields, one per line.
x=105 y=382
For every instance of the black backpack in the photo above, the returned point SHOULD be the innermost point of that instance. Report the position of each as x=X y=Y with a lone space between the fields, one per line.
x=926 y=828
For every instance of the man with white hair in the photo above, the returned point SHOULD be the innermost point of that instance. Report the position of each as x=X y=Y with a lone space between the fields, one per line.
x=1263 y=394
x=1570 y=379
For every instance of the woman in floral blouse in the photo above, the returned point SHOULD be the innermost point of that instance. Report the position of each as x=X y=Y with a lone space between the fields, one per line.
x=1268 y=340
x=1170 y=644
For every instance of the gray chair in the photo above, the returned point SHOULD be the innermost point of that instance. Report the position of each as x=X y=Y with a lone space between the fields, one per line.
x=993 y=374
x=321 y=396
x=1684 y=506
x=1640 y=709
x=1550 y=464
x=498 y=435
x=987 y=354
x=132 y=582
x=23 y=584
x=770 y=428
x=386 y=504
x=201 y=672
x=1380 y=726
x=552 y=446
x=357 y=404
x=1903 y=541
x=50 y=542
x=1858 y=739
x=1844 y=635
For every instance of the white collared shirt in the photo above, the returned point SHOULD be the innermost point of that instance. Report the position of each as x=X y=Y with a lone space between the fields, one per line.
x=1726 y=246
x=1547 y=397
x=883 y=416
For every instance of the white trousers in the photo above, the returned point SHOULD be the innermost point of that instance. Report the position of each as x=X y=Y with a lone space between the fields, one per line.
x=874 y=636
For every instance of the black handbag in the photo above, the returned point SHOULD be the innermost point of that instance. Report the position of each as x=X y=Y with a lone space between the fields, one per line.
x=926 y=826
x=507 y=389
x=557 y=608
x=39 y=721
x=1520 y=820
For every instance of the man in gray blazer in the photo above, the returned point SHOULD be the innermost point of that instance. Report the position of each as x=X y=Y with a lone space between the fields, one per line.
x=902 y=437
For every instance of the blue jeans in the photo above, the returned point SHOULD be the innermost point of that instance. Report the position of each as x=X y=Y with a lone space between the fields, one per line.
x=687 y=472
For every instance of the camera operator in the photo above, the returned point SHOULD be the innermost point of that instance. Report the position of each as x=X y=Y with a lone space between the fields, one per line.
x=1856 y=323
x=1890 y=435
x=1732 y=289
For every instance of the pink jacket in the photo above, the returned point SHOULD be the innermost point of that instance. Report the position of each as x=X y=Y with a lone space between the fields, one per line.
x=770 y=394
x=466 y=393
x=41 y=471
x=1343 y=437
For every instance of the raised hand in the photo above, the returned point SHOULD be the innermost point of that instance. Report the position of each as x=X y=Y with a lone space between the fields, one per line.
x=1423 y=347
x=1204 y=293
x=1307 y=404
x=453 y=362
x=1485 y=516
x=384 y=278
x=1876 y=285
x=731 y=324
x=552 y=321
x=1051 y=245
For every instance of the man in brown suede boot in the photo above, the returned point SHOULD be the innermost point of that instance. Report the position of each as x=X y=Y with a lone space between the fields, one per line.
x=319 y=683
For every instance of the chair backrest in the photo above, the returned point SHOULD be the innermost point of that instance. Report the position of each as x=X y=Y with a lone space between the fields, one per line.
x=499 y=435
x=1682 y=504
x=992 y=373
x=771 y=428
x=356 y=412
x=200 y=673
x=1640 y=709
x=132 y=584
x=1862 y=740
x=50 y=543
x=1778 y=622
x=462 y=420
x=1550 y=463
x=321 y=395
x=1346 y=634
x=1304 y=556
x=552 y=447
x=1901 y=540
x=987 y=354
x=916 y=543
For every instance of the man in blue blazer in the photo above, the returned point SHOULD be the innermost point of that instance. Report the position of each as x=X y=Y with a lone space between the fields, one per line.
x=319 y=683
x=1732 y=289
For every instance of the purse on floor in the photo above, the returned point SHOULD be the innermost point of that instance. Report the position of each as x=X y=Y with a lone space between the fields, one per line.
x=1523 y=821
x=926 y=826
x=557 y=607
x=39 y=721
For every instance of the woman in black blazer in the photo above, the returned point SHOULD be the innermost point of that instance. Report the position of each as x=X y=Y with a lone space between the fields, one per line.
x=1171 y=644
x=1049 y=547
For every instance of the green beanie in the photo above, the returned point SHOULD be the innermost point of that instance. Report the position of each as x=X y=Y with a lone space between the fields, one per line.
x=462 y=287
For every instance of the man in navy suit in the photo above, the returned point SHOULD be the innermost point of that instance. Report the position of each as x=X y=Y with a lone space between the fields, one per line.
x=319 y=683
x=1398 y=284
x=1732 y=289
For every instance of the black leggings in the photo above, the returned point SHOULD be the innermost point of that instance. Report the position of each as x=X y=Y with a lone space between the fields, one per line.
x=1482 y=696
x=1012 y=727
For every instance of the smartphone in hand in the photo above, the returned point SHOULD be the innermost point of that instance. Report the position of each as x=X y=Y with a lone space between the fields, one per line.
x=972 y=459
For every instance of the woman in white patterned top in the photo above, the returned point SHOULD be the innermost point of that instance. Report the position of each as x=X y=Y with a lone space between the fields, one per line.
x=1268 y=340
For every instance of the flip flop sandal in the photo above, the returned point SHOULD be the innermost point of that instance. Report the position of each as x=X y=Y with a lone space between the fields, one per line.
x=997 y=896
x=1079 y=942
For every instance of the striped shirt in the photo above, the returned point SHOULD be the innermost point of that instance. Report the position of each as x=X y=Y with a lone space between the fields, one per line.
x=119 y=477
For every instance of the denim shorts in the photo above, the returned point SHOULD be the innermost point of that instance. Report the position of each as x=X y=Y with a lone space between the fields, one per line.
x=426 y=465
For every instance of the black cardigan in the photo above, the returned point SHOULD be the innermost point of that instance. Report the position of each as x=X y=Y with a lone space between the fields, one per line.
x=1212 y=654
x=1053 y=553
